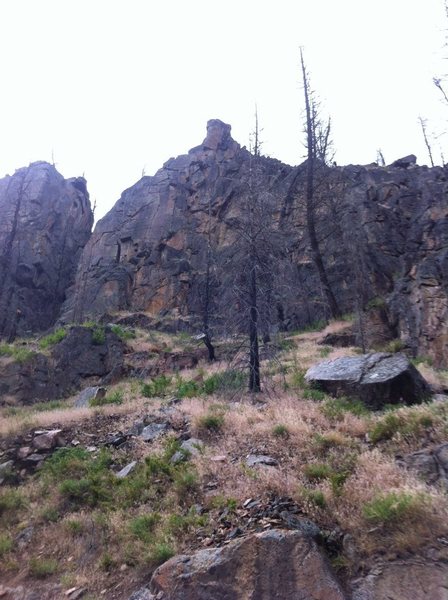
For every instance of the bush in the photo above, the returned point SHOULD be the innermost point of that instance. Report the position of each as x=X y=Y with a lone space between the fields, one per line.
x=211 y=422
x=314 y=394
x=394 y=346
x=160 y=553
x=280 y=431
x=404 y=422
x=21 y=355
x=98 y=335
x=143 y=526
x=185 y=483
x=72 y=462
x=53 y=338
x=122 y=333
x=187 y=389
x=41 y=567
x=89 y=491
x=317 y=471
x=376 y=302
x=116 y=397
x=5 y=543
x=334 y=408
x=157 y=387
x=316 y=497
x=74 y=526
x=11 y=501
x=227 y=380
x=392 y=507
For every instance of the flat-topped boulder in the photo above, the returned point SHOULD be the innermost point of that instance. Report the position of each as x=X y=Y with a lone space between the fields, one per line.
x=376 y=379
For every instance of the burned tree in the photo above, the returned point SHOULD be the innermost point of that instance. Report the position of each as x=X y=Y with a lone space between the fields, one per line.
x=317 y=136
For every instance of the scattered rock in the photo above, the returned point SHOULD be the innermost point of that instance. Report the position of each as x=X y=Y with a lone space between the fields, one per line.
x=23 y=452
x=253 y=460
x=5 y=470
x=24 y=537
x=190 y=447
x=88 y=394
x=431 y=464
x=153 y=431
x=305 y=526
x=126 y=470
x=404 y=163
x=376 y=379
x=48 y=440
x=272 y=564
x=142 y=594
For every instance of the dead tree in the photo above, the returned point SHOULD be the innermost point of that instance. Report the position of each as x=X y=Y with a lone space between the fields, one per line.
x=422 y=122
x=317 y=144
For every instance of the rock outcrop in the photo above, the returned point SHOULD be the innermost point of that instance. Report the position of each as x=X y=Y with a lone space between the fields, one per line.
x=383 y=233
x=416 y=579
x=376 y=379
x=78 y=360
x=45 y=221
x=272 y=564
x=149 y=252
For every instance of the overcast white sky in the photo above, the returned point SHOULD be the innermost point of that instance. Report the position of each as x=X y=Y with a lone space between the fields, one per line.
x=114 y=86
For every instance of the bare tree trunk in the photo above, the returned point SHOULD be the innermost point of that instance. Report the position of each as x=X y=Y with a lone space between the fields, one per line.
x=310 y=200
x=254 y=354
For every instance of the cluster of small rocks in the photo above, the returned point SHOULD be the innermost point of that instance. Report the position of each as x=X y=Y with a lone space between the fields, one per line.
x=28 y=453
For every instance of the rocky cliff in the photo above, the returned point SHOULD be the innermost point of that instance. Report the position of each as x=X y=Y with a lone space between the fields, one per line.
x=45 y=221
x=383 y=233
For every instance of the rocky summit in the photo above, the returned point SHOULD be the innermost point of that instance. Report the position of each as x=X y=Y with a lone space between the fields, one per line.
x=45 y=221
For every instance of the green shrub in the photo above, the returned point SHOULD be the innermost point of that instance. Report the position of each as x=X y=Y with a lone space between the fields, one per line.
x=143 y=526
x=98 y=335
x=312 y=327
x=187 y=389
x=314 y=394
x=11 y=501
x=43 y=567
x=325 y=351
x=72 y=462
x=298 y=378
x=50 y=405
x=407 y=423
x=157 y=387
x=394 y=346
x=317 y=471
x=227 y=380
x=53 y=338
x=185 y=484
x=161 y=552
x=5 y=543
x=74 y=526
x=50 y=514
x=106 y=562
x=280 y=431
x=19 y=354
x=334 y=408
x=391 y=507
x=123 y=333
x=316 y=497
x=211 y=422
x=115 y=397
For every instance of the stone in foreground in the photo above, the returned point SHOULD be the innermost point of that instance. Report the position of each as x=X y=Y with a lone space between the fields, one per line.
x=376 y=379
x=272 y=564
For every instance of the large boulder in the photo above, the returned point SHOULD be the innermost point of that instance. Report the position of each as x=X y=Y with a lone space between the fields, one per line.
x=412 y=579
x=376 y=379
x=77 y=361
x=45 y=221
x=273 y=564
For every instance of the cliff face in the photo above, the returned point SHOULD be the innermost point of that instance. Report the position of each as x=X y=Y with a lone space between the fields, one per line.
x=45 y=221
x=149 y=252
x=383 y=233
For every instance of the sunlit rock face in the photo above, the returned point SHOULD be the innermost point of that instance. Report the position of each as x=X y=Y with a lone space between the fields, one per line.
x=45 y=221
x=383 y=233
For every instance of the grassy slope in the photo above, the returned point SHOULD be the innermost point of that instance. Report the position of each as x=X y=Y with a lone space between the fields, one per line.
x=91 y=530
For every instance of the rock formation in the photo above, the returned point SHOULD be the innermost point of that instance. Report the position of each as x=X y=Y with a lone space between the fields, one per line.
x=273 y=564
x=383 y=232
x=45 y=221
